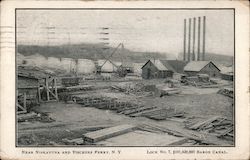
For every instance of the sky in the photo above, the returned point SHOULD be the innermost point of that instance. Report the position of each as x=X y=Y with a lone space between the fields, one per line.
x=139 y=30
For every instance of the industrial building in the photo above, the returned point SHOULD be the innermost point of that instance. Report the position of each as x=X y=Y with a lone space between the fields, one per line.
x=202 y=67
x=162 y=68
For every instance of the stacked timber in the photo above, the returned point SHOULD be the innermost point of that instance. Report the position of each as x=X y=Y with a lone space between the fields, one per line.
x=78 y=88
x=126 y=108
x=163 y=114
x=99 y=135
x=220 y=126
x=32 y=116
x=226 y=92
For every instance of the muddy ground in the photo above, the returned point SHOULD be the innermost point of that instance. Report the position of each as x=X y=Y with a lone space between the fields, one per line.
x=72 y=120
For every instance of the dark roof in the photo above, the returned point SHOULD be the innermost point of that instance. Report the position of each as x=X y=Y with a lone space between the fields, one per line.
x=175 y=65
x=27 y=76
x=33 y=72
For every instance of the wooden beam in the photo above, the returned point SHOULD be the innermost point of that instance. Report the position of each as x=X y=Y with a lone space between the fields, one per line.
x=103 y=134
x=47 y=88
x=39 y=93
x=21 y=107
x=55 y=84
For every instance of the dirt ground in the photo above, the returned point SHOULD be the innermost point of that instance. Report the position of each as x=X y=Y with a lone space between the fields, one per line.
x=72 y=120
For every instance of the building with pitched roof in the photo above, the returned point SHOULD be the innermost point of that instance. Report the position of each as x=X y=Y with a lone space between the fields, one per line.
x=162 y=68
x=202 y=67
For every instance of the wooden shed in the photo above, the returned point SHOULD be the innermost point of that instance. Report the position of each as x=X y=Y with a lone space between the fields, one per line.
x=34 y=86
x=155 y=69
x=202 y=67
x=162 y=68
x=27 y=92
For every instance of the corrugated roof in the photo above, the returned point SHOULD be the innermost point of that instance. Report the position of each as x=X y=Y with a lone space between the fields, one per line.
x=195 y=65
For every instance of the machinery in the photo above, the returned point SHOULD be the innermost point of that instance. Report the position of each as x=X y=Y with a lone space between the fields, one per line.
x=119 y=69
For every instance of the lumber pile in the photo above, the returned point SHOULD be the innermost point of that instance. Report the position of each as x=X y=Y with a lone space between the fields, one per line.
x=77 y=141
x=129 y=88
x=32 y=116
x=219 y=126
x=106 y=133
x=198 y=138
x=163 y=114
x=126 y=108
x=78 y=88
x=226 y=92
x=169 y=91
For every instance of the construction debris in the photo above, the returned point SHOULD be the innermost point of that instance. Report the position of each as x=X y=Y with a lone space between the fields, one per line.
x=169 y=91
x=78 y=88
x=126 y=108
x=103 y=134
x=227 y=92
x=219 y=126
x=163 y=114
x=77 y=141
x=32 y=116
x=70 y=81
x=128 y=87
x=197 y=137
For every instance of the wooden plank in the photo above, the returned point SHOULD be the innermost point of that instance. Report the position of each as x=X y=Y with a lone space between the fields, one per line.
x=49 y=91
x=199 y=124
x=145 y=112
x=77 y=141
x=55 y=84
x=39 y=93
x=179 y=142
x=21 y=107
x=193 y=135
x=106 y=133
x=26 y=116
x=47 y=88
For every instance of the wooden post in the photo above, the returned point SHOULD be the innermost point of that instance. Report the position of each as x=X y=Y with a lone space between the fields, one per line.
x=47 y=88
x=39 y=94
x=55 y=88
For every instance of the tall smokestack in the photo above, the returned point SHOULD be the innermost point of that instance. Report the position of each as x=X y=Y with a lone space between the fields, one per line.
x=189 y=37
x=194 y=23
x=204 y=37
x=199 y=35
x=184 y=41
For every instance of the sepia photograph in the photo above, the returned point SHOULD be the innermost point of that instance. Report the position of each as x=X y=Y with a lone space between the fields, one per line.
x=127 y=77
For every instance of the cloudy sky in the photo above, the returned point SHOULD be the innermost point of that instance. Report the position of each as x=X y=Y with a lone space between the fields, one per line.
x=138 y=30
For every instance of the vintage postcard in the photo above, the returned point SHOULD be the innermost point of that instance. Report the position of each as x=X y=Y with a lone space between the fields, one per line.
x=124 y=80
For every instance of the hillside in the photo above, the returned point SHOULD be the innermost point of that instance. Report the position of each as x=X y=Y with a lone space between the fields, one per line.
x=218 y=59
x=88 y=51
